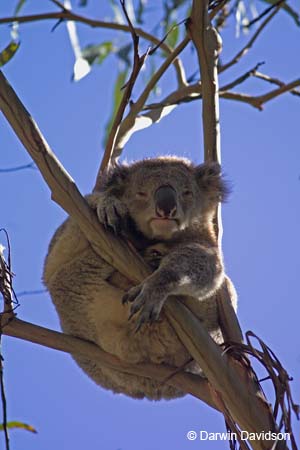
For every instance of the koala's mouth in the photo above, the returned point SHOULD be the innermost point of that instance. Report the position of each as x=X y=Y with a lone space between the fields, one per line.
x=163 y=227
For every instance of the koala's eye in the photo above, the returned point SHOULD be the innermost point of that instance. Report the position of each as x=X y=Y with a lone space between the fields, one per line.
x=141 y=194
x=187 y=193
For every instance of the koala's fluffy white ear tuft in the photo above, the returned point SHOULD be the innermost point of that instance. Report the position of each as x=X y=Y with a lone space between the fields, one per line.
x=209 y=179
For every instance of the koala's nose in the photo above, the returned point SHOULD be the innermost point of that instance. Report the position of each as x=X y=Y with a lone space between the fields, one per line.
x=165 y=201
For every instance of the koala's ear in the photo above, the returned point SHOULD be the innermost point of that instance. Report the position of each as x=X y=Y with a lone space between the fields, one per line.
x=209 y=179
x=115 y=179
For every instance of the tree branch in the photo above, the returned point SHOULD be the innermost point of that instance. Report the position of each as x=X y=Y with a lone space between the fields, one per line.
x=208 y=46
x=138 y=62
x=241 y=79
x=276 y=81
x=194 y=92
x=259 y=100
x=187 y=382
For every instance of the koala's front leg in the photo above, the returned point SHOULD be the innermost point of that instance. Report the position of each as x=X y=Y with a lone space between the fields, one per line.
x=192 y=270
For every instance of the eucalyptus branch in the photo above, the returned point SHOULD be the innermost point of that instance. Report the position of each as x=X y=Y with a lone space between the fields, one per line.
x=241 y=79
x=249 y=45
x=243 y=98
x=208 y=45
x=276 y=81
x=138 y=62
x=276 y=92
x=194 y=92
x=259 y=100
x=66 y=14
x=187 y=382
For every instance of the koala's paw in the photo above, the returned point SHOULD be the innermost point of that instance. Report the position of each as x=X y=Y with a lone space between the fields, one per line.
x=145 y=302
x=111 y=214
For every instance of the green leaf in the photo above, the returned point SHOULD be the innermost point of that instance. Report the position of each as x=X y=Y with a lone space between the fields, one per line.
x=139 y=11
x=8 y=52
x=22 y=425
x=287 y=9
x=124 y=54
x=19 y=6
x=96 y=54
x=173 y=36
x=121 y=80
x=118 y=15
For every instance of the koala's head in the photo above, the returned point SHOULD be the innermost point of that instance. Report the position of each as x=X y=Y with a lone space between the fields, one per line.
x=167 y=194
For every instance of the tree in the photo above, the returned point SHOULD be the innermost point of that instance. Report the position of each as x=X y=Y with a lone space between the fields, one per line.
x=256 y=101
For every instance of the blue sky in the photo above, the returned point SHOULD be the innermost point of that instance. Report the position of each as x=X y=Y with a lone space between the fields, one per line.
x=260 y=152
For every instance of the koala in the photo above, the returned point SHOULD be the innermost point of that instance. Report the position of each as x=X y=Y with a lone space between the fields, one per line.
x=164 y=207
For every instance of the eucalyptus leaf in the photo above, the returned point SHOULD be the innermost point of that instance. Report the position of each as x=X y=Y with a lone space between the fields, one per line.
x=21 y=425
x=124 y=54
x=9 y=51
x=96 y=54
x=19 y=6
x=173 y=35
x=139 y=11
x=118 y=14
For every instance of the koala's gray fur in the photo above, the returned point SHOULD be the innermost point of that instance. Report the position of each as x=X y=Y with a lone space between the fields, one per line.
x=164 y=207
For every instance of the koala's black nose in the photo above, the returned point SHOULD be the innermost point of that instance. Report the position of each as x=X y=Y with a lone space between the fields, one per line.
x=165 y=201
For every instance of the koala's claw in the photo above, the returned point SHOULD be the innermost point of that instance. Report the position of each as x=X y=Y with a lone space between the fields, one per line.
x=148 y=306
x=131 y=295
x=111 y=215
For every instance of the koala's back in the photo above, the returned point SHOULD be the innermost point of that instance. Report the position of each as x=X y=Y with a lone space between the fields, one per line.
x=90 y=307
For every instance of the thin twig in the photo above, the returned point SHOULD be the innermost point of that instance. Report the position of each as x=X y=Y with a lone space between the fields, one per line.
x=138 y=62
x=276 y=81
x=6 y=292
x=276 y=92
x=165 y=37
x=59 y=4
x=278 y=376
x=3 y=398
x=259 y=100
x=34 y=292
x=241 y=79
x=17 y=168
x=248 y=46
x=264 y=13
